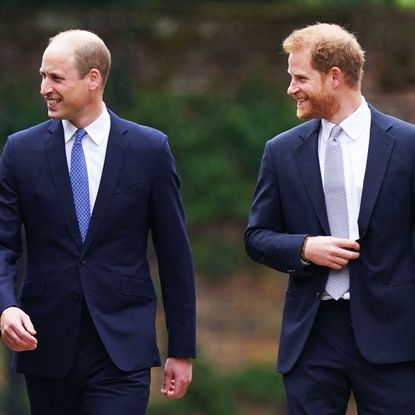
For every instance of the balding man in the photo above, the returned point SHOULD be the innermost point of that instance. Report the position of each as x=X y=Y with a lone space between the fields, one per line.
x=88 y=187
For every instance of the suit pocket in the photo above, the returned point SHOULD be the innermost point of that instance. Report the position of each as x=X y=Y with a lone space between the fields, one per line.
x=30 y=289
x=134 y=287
x=129 y=188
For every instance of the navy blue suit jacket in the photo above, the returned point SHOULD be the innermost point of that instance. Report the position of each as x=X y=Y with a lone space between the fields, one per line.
x=289 y=204
x=139 y=192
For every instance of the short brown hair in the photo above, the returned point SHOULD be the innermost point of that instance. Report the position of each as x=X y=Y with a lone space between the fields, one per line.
x=330 y=45
x=90 y=52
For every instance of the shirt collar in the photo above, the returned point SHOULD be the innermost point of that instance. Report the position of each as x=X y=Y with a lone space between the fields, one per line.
x=352 y=125
x=94 y=130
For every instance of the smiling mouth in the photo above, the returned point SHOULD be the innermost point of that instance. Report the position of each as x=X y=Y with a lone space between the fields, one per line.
x=53 y=101
x=301 y=100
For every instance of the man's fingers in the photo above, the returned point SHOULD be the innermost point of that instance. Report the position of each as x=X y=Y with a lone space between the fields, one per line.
x=177 y=377
x=19 y=338
x=331 y=252
x=177 y=389
x=27 y=324
x=21 y=331
x=346 y=244
x=180 y=390
x=347 y=255
x=168 y=384
x=17 y=330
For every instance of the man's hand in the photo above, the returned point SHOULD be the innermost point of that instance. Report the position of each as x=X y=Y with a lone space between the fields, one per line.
x=177 y=377
x=331 y=252
x=17 y=330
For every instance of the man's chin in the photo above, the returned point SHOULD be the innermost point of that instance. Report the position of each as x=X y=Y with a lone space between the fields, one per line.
x=54 y=115
x=302 y=115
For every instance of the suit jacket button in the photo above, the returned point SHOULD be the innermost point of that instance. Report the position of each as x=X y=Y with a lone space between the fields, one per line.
x=83 y=262
x=77 y=295
x=318 y=295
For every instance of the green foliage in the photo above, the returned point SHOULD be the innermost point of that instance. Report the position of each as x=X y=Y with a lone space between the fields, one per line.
x=217 y=139
x=212 y=393
x=309 y=3
x=406 y=3
x=217 y=256
x=20 y=106
x=345 y=3
x=258 y=384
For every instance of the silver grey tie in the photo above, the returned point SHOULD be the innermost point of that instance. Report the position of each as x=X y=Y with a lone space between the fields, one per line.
x=336 y=205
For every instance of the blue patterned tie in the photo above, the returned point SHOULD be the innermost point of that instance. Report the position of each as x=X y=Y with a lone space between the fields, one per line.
x=336 y=205
x=79 y=181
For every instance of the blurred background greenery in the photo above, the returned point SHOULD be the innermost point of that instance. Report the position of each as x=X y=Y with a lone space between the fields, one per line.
x=212 y=76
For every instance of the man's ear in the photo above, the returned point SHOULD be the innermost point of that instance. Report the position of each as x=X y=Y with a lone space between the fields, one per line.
x=95 y=79
x=336 y=76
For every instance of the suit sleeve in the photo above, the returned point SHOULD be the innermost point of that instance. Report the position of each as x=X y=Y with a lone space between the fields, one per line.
x=10 y=229
x=266 y=238
x=173 y=255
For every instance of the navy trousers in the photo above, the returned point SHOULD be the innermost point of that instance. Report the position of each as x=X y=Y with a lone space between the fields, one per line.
x=94 y=385
x=331 y=366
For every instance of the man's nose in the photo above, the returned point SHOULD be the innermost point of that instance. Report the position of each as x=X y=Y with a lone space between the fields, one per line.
x=45 y=87
x=292 y=88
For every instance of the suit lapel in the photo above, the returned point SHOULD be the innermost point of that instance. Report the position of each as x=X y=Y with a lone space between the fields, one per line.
x=306 y=154
x=114 y=159
x=380 y=149
x=55 y=153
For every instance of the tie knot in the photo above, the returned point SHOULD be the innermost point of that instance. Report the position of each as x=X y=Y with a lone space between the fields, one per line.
x=79 y=135
x=335 y=134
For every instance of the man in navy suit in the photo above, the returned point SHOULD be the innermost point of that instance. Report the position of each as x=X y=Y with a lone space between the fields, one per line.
x=83 y=325
x=334 y=208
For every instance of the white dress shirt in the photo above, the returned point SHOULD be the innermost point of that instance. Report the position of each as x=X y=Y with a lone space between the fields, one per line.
x=95 y=147
x=354 y=141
